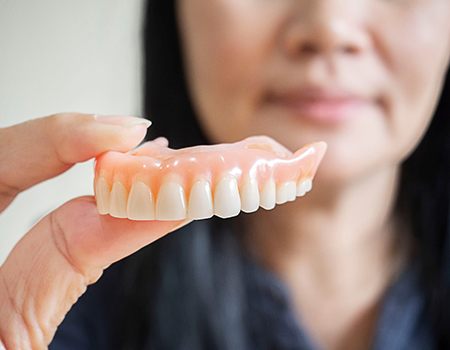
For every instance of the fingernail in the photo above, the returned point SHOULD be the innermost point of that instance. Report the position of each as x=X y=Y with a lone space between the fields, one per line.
x=126 y=121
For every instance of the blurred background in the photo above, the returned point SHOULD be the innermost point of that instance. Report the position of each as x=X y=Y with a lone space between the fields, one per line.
x=65 y=56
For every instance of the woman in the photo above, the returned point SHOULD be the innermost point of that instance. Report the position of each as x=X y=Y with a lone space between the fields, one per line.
x=362 y=261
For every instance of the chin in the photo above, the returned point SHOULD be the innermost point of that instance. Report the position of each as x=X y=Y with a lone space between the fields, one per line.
x=333 y=174
x=346 y=161
x=338 y=171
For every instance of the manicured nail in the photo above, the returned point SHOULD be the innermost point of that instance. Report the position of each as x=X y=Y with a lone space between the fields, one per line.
x=126 y=121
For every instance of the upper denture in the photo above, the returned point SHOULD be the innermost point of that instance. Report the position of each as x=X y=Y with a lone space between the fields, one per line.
x=157 y=182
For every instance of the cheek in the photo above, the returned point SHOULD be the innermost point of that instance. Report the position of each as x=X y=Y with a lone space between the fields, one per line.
x=226 y=47
x=417 y=67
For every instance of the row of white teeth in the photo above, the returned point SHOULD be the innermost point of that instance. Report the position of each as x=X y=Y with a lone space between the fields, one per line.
x=171 y=202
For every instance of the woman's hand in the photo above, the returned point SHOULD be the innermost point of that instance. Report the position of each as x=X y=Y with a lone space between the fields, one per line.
x=52 y=265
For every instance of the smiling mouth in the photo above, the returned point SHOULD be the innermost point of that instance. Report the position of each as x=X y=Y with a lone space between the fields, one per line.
x=326 y=106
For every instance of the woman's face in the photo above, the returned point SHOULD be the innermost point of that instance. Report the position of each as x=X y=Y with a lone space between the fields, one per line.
x=362 y=75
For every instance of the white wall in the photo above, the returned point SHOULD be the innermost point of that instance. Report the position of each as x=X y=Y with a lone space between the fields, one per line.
x=60 y=56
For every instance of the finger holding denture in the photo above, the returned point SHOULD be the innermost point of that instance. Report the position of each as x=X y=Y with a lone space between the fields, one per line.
x=155 y=182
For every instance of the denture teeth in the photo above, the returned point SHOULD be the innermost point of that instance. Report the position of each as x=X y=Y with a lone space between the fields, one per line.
x=227 y=202
x=118 y=201
x=303 y=187
x=171 y=202
x=102 y=195
x=140 y=203
x=200 y=201
x=286 y=192
x=249 y=195
x=268 y=195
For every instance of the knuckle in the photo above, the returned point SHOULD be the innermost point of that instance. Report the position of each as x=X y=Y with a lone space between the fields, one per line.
x=64 y=131
x=61 y=120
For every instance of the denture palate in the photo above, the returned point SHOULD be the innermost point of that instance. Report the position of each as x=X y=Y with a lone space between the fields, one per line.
x=155 y=182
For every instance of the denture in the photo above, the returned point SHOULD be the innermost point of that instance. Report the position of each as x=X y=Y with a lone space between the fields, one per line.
x=155 y=182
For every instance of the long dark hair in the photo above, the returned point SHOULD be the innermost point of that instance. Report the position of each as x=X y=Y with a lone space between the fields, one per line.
x=186 y=290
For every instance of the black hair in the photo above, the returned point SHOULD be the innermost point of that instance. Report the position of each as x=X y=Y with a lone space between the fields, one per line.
x=424 y=202
x=186 y=291
x=167 y=99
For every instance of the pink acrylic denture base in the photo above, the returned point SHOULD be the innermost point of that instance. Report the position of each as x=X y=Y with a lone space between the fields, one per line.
x=258 y=157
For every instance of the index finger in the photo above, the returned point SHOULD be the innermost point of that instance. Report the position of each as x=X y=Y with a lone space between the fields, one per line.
x=42 y=148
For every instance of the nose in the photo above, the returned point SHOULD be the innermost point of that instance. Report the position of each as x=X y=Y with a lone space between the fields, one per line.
x=326 y=27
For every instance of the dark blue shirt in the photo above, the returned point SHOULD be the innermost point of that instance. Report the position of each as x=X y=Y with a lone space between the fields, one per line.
x=402 y=323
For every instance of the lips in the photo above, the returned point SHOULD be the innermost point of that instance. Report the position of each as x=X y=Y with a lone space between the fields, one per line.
x=323 y=105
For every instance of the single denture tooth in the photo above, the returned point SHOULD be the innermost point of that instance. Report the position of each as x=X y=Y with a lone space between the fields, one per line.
x=140 y=205
x=281 y=194
x=292 y=191
x=102 y=195
x=286 y=192
x=227 y=202
x=200 y=201
x=268 y=195
x=171 y=201
x=118 y=200
x=249 y=195
x=301 y=188
x=308 y=185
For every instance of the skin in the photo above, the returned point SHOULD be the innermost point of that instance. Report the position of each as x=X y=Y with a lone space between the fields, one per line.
x=52 y=265
x=338 y=243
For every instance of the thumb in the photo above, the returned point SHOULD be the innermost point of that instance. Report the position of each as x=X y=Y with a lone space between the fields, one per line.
x=53 y=264
x=91 y=241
